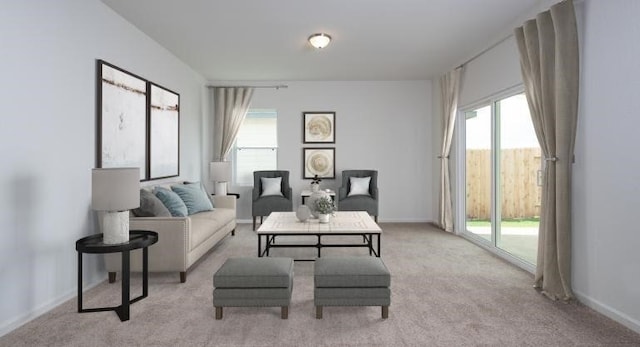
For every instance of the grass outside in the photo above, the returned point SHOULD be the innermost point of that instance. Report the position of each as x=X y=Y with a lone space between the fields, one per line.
x=508 y=223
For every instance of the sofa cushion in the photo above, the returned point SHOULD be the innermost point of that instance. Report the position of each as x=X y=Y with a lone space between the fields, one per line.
x=205 y=224
x=172 y=201
x=194 y=197
x=150 y=206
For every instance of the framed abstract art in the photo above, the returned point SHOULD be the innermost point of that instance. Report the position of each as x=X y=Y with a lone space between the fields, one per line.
x=164 y=134
x=122 y=119
x=318 y=161
x=319 y=127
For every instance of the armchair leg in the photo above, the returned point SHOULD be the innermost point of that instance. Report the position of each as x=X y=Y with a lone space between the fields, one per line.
x=375 y=218
x=254 y=223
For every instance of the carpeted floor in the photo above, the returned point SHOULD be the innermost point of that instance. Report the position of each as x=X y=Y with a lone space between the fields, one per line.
x=445 y=292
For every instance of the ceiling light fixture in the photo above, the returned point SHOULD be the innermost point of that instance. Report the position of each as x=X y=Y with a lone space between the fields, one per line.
x=319 y=40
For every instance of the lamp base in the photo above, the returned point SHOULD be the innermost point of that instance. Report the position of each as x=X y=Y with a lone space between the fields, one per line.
x=115 y=227
x=221 y=188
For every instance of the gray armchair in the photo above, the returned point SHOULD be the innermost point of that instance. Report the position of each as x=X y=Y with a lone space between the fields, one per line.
x=264 y=205
x=365 y=202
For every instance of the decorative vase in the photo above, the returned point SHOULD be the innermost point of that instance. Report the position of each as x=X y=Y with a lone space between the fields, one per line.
x=303 y=213
x=311 y=200
x=323 y=218
x=315 y=187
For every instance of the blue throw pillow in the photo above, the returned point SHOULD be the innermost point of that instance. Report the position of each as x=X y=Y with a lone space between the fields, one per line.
x=204 y=190
x=172 y=201
x=194 y=197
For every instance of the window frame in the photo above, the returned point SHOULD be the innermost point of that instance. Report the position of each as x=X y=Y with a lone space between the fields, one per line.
x=236 y=148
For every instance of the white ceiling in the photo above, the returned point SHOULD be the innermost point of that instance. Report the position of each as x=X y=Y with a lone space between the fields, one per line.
x=266 y=40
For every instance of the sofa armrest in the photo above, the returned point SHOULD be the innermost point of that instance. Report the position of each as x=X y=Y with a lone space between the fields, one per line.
x=225 y=201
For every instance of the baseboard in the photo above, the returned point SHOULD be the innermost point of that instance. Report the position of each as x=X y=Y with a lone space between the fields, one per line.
x=29 y=316
x=608 y=311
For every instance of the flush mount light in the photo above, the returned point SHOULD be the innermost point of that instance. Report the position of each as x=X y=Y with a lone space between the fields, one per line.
x=319 y=40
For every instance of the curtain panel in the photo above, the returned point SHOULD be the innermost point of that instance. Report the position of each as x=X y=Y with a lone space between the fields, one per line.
x=450 y=90
x=230 y=108
x=549 y=60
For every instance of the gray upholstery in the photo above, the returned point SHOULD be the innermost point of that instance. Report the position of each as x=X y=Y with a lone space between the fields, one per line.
x=254 y=273
x=248 y=282
x=263 y=206
x=351 y=281
x=367 y=272
x=359 y=202
x=352 y=296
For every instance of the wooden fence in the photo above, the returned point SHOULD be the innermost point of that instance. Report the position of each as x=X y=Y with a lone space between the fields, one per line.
x=519 y=191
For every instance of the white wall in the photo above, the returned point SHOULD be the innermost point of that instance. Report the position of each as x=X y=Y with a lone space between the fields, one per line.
x=379 y=125
x=48 y=139
x=606 y=191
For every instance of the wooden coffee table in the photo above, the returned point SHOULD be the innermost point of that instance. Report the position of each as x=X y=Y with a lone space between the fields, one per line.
x=343 y=223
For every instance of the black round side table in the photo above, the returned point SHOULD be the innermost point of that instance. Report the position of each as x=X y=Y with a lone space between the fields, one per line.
x=94 y=244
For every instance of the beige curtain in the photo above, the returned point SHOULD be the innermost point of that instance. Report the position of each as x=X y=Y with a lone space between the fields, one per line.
x=230 y=108
x=549 y=60
x=450 y=89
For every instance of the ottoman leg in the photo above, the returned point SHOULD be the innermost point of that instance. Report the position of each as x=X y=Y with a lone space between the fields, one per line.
x=318 y=312
x=385 y=312
x=218 y=312
x=284 y=312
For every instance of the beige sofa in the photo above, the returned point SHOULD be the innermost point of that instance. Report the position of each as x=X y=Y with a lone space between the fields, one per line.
x=181 y=240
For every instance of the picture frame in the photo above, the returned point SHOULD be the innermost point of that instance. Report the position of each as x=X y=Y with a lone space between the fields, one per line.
x=122 y=119
x=318 y=161
x=319 y=127
x=164 y=132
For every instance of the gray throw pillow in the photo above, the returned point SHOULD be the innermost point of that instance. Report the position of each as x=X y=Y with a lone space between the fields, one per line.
x=172 y=201
x=150 y=206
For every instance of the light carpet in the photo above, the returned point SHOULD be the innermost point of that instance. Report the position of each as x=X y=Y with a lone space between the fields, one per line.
x=445 y=292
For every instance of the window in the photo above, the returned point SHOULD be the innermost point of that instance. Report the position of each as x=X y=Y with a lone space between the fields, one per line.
x=256 y=145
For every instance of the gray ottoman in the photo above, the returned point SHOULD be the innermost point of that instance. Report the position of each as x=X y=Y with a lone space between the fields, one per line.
x=351 y=281
x=248 y=282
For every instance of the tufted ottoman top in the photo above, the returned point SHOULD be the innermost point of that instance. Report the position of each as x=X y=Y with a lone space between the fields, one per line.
x=254 y=273
x=346 y=272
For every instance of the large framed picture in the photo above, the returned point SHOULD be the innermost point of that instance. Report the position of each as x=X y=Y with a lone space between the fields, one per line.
x=319 y=161
x=122 y=119
x=164 y=134
x=319 y=127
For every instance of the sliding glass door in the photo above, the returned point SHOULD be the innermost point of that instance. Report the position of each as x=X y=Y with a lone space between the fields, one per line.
x=502 y=176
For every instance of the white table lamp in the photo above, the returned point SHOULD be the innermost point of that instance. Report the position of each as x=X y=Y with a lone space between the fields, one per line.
x=220 y=174
x=114 y=191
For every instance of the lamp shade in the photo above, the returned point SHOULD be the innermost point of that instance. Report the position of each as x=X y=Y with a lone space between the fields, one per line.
x=319 y=40
x=220 y=171
x=115 y=189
